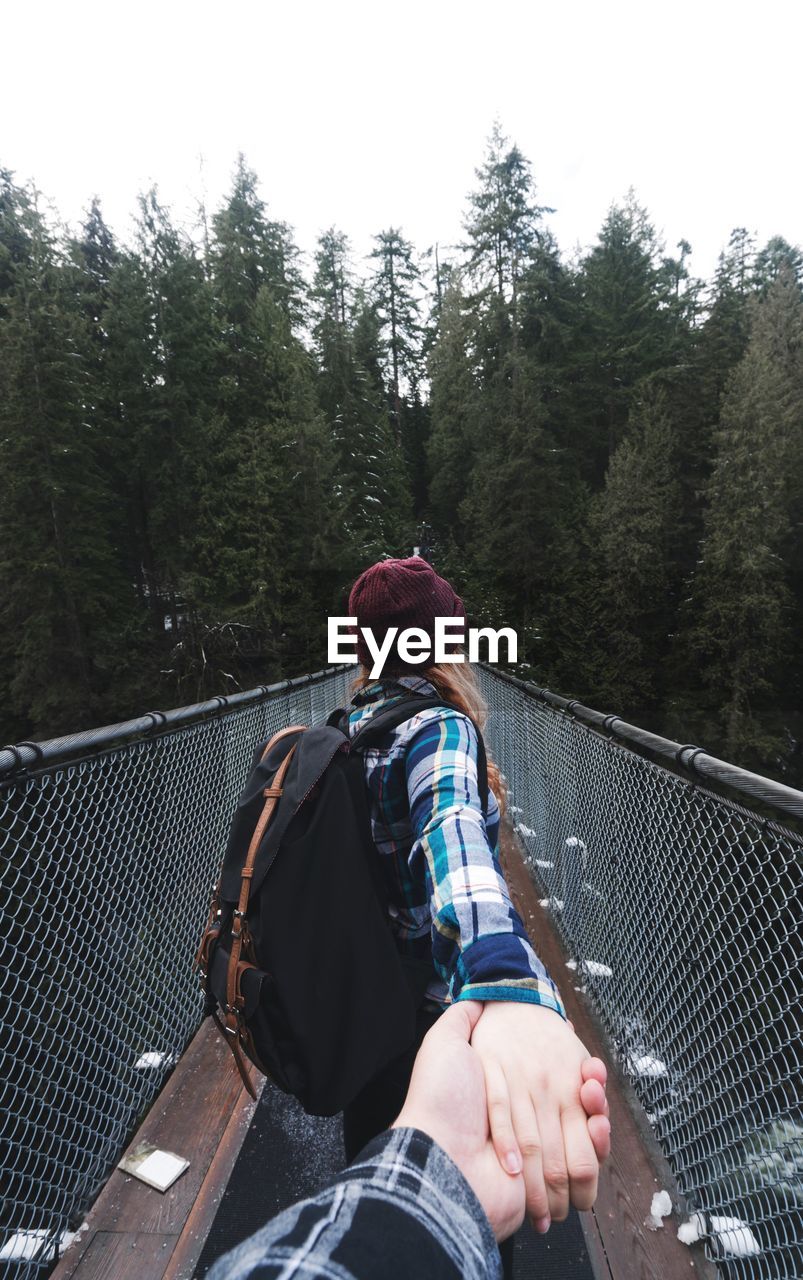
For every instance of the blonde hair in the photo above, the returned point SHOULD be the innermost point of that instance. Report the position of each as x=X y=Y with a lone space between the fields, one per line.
x=456 y=683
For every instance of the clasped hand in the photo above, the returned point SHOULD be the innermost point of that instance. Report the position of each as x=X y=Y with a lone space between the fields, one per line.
x=546 y=1105
x=520 y=1109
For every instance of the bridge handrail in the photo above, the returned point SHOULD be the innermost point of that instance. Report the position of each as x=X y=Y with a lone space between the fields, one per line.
x=685 y=756
x=25 y=756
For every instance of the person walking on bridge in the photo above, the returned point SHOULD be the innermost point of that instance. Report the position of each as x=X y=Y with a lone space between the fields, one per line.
x=449 y=904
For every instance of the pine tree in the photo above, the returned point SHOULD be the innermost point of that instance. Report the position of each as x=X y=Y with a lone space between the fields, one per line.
x=633 y=570
x=626 y=330
x=181 y=390
x=504 y=222
x=396 y=291
x=778 y=255
x=513 y=513
x=374 y=494
x=95 y=276
x=64 y=603
x=746 y=591
x=249 y=250
x=724 y=334
x=266 y=502
x=454 y=390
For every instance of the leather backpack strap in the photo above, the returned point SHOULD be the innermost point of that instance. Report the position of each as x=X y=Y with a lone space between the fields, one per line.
x=239 y=933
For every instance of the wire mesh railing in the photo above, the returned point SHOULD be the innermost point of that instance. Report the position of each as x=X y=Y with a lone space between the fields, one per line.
x=109 y=844
x=682 y=911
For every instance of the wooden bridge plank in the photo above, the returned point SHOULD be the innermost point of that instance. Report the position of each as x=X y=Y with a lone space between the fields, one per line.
x=619 y=1245
x=203 y=1114
x=119 y=1255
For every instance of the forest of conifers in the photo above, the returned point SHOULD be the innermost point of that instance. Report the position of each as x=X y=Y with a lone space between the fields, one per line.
x=203 y=439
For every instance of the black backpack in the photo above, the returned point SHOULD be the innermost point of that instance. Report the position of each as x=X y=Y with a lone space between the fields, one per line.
x=297 y=954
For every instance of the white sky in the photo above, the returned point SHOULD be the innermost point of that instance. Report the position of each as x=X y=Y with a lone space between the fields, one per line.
x=369 y=114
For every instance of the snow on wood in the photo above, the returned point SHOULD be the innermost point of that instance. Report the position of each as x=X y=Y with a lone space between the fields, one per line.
x=660 y=1208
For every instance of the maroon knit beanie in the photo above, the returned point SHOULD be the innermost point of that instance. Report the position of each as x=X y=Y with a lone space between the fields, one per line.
x=400 y=593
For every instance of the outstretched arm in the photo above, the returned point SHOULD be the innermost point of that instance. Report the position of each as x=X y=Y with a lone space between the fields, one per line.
x=539 y=1076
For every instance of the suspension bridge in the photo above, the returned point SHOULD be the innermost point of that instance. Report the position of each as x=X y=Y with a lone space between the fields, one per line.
x=661 y=886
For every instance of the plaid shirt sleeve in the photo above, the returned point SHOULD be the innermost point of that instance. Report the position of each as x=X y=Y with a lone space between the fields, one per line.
x=402 y=1209
x=479 y=943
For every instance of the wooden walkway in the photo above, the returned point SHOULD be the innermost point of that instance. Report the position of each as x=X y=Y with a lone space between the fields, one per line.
x=134 y=1232
x=619 y=1245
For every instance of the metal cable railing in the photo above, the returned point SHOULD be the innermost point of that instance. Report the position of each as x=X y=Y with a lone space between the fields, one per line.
x=681 y=910
x=110 y=842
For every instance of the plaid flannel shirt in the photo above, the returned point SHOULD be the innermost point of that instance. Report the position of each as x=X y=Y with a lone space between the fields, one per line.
x=440 y=856
x=402 y=1209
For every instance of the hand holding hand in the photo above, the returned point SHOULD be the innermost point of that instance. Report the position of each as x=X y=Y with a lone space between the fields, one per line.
x=446 y=1099
x=546 y=1106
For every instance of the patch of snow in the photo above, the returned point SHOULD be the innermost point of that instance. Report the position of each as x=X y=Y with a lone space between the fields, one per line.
x=525 y=831
x=688 y=1232
x=541 y=862
x=37 y=1245
x=645 y=1065
x=732 y=1237
x=574 y=842
x=660 y=1208
x=594 y=968
x=150 y=1060
x=553 y=904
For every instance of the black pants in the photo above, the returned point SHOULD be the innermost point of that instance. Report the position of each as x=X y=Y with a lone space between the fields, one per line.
x=378 y=1104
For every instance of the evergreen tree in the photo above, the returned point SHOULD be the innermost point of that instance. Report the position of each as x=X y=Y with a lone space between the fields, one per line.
x=454 y=391
x=632 y=586
x=778 y=255
x=724 y=334
x=514 y=512
x=249 y=250
x=746 y=591
x=95 y=275
x=64 y=604
x=503 y=222
x=396 y=293
x=375 y=499
x=626 y=330
x=265 y=504
x=517 y=519
x=181 y=388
